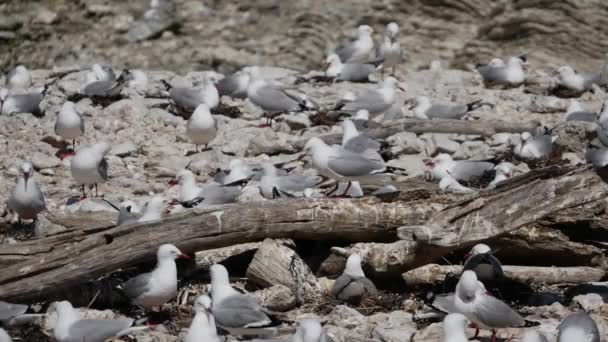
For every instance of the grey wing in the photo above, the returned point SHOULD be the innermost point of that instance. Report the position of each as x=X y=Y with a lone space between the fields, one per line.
x=239 y=311
x=369 y=286
x=493 y=74
x=274 y=99
x=446 y=111
x=542 y=145
x=354 y=165
x=371 y=101
x=228 y=85
x=97 y=330
x=138 y=285
x=356 y=72
x=214 y=194
x=186 y=97
x=496 y=314
x=345 y=52
x=444 y=302
x=468 y=170
x=8 y=310
x=28 y=103
x=98 y=88
x=602 y=133
x=296 y=182
x=40 y=198
x=591 y=78
x=362 y=143
x=597 y=156
x=581 y=116
x=103 y=168
x=340 y=283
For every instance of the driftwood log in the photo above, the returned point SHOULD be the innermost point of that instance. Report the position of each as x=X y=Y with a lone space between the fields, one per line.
x=433 y=274
x=434 y=226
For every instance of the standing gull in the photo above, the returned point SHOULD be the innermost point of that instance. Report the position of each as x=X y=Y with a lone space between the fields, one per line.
x=576 y=112
x=26 y=198
x=19 y=78
x=231 y=308
x=360 y=49
x=512 y=74
x=159 y=286
x=578 y=327
x=201 y=127
x=202 y=327
x=69 y=123
x=352 y=285
x=534 y=147
x=483 y=310
x=454 y=326
x=187 y=99
x=375 y=101
x=235 y=85
x=423 y=109
x=390 y=49
x=485 y=265
x=350 y=72
x=70 y=327
x=89 y=165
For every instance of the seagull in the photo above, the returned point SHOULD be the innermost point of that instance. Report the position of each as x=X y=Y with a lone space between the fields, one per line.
x=89 y=165
x=239 y=171
x=274 y=98
x=352 y=285
x=462 y=170
x=4 y=337
x=354 y=141
x=454 y=325
x=350 y=72
x=23 y=103
x=69 y=123
x=231 y=308
x=109 y=88
x=423 y=109
x=235 y=85
x=19 y=78
x=207 y=194
x=597 y=156
x=570 y=79
x=449 y=184
x=533 y=336
x=159 y=286
x=26 y=198
x=201 y=127
x=9 y=310
x=390 y=49
x=360 y=49
x=576 y=113
x=127 y=212
x=534 y=147
x=512 y=74
x=504 y=171
x=103 y=72
x=202 y=327
x=310 y=330
x=188 y=99
x=486 y=266
x=578 y=327
x=483 y=310
x=153 y=211
x=290 y=184
x=375 y=101
x=70 y=327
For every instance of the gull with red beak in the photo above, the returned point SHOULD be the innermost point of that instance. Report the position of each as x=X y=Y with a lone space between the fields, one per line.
x=534 y=147
x=511 y=74
x=203 y=326
x=360 y=49
x=504 y=171
x=89 y=165
x=462 y=170
x=26 y=198
x=375 y=101
x=159 y=286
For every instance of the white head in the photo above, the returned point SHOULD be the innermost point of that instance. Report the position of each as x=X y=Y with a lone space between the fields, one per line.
x=353 y=266
x=439 y=159
x=309 y=330
x=468 y=286
x=313 y=144
x=362 y=114
x=516 y=62
x=202 y=304
x=66 y=316
x=333 y=60
x=496 y=63
x=454 y=323
x=348 y=96
x=421 y=103
x=480 y=248
x=22 y=70
x=392 y=30
x=565 y=72
x=153 y=209
x=391 y=82
x=99 y=71
x=253 y=71
x=170 y=252
x=26 y=169
x=525 y=136
x=68 y=106
x=184 y=177
x=505 y=169
x=202 y=111
x=220 y=282
x=349 y=130
x=364 y=31
x=532 y=335
x=435 y=66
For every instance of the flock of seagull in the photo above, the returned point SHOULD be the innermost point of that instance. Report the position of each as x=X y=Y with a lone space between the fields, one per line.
x=355 y=160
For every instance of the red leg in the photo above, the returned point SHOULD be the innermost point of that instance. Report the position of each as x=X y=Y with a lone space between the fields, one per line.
x=493 y=335
x=84 y=193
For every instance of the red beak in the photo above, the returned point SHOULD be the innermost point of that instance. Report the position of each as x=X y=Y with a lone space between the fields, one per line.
x=183 y=256
x=525 y=66
x=173 y=182
x=466 y=256
x=301 y=156
x=429 y=162
x=26 y=175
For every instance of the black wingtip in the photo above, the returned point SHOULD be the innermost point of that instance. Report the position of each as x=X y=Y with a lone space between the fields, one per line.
x=167 y=85
x=529 y=324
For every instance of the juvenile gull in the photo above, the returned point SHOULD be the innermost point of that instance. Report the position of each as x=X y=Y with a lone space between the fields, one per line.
x=203 y=326
x=576 y=112
x=26 y=198
x=572 y=80
x=511 y=74
x=423 y=109
x=454 y=326
x=486 y=266
x=19 y=79
x=534 y=147
x=70 y=327
x=533 y=336
x=235 y=85
x=154 y=209
x=578 y=327
x=201 y=127
x=462 y=170
x=89 y=165
x=289 y=184
x=360 y=49
x=231 y=308
x=69 y=123
x=206 y=194
x=187 y=99
x=9 y=310
x=109 y=88
x=4 y=337
x=390 y=49
x=350 y=72
x=504 y=171
x=159 y=286
x=485 y=311
x=352 y=285
x=375 y=101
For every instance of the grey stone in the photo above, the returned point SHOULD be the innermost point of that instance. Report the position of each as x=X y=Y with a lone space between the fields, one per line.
x=276 y=298
x=44 y=227
x=44 y=161
x=405 y=143
x=395 y=326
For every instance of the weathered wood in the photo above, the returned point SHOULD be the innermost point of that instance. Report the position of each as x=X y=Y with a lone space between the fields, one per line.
x=433 y=274
x=276 y=264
